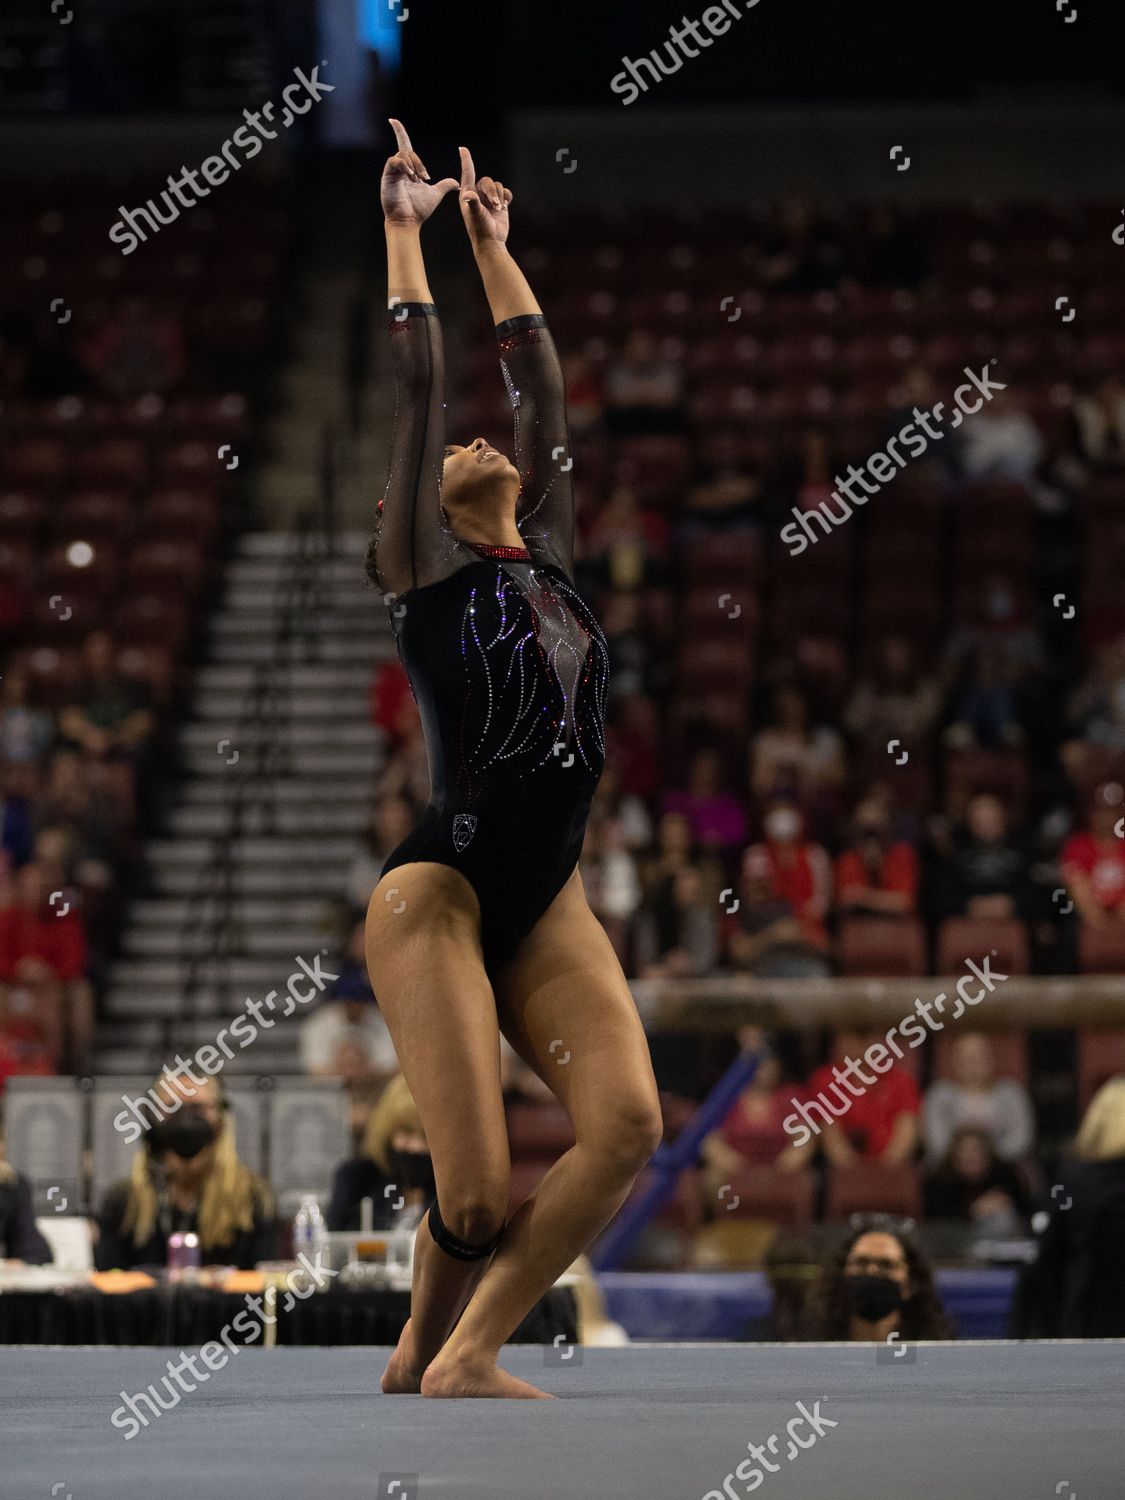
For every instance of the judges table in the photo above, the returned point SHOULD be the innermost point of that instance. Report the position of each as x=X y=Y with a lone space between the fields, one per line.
x=47 y=1307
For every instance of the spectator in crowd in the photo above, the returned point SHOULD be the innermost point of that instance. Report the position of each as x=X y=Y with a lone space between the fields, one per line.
x=1094 y=861
x=135 y=352
x=971 y=1184
x=877 y=874
x=800 y=871
x=26 y=732
x=766 y=935
x=894 y=701
x=628 y=648
x=986 y=708
x=1000 y=441
x=187 y=1178
x=391 y=820
x=987 y=874
x=407 y=772
x=801 y=253
x=393 y=709
x=876 y=1283
x=677 y=934
x=725 y=491
x=892 y=253
x=346 y=1036
x=792 y=756
x=584 y=405
x=790 y=1269
x=1099 y=420
x=814 y=466
x=633 y=744
x=1001 y=625
x=879 y=1124
x=42 y=966
x=20 y=1240
x=716 y=817
x=642 y=388
x=752 y=1132
x=15 y=824
x=610 y=879
x=1096 y=711
x=110 y=715
x=1075 y=1290
x=626 y=809
x=629 y=544
x=974 y=1098
x=95 y=822
x=394 y=1169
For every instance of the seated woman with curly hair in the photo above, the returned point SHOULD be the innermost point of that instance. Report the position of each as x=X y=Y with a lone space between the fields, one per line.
x=877 y=1283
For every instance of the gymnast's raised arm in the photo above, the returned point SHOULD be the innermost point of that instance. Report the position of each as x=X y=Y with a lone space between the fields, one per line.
x=408 y=548
x=532 y=373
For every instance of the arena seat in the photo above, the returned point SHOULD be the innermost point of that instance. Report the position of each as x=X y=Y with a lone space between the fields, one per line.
x=872 y=1187
x=962 y=938
x=882 y=947
x=766 y=1192
x=1101 y=949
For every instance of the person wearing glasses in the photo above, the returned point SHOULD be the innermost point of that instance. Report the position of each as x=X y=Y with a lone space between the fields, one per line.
x=877 y=1285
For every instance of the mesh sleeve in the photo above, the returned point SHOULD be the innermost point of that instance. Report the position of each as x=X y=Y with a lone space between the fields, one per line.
x=411 y=541
x=534 y=380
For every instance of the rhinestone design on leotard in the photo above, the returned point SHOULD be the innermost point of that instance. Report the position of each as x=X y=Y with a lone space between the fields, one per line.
x=545 y=677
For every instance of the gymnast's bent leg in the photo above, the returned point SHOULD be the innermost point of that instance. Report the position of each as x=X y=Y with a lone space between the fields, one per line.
x=426 y=970
x=564 y=985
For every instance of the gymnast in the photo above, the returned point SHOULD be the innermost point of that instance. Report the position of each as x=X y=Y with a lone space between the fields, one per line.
x=479 y=924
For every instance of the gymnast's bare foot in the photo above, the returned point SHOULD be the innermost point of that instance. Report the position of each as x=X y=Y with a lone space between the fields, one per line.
x=402 y=1377
x=454 y=1376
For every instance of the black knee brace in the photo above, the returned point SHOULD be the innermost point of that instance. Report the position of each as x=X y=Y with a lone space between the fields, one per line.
x=452 y=1244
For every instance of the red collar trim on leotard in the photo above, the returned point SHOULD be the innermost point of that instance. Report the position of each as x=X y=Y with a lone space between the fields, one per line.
x=501 y=554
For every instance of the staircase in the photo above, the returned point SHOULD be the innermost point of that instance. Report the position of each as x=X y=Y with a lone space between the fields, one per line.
x=279 y=760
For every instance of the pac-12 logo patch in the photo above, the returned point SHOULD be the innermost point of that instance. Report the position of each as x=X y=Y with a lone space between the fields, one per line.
x=464 y=826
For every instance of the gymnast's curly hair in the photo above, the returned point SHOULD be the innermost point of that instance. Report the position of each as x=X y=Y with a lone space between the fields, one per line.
x=923 y=1316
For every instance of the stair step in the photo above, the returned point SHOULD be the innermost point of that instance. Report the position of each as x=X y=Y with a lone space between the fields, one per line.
x=196 y=821
x=254 y=941
x=308 y=853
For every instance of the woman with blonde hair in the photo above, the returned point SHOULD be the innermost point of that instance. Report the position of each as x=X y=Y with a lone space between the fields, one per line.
x=1075 y=1289
x=394 y=1170
x=187 y=1177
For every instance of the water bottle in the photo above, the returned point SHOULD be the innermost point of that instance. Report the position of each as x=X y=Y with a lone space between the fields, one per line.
x=310 y=1235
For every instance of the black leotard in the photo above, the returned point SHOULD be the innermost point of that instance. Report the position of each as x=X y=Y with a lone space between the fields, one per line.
x=506 y=662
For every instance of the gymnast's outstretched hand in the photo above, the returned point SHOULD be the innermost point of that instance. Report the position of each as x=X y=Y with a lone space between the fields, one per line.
x=406 y=192
x=484 y=205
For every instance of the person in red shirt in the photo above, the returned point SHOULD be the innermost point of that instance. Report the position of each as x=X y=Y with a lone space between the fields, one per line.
x=876 y=1117
x=876 y=875
x=1094 y=862
x=43 y=962
x=800 y=871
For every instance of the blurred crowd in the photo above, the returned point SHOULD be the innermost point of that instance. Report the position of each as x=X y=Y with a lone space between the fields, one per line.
x=67 y=840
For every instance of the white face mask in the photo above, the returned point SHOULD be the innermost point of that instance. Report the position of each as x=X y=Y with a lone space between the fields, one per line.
x=782 y=825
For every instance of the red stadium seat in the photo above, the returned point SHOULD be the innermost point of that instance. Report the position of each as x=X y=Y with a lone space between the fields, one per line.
x=872 y=1187
x=962 y=938
x=882 y=947
x=766 y=1192
x=1101 y=949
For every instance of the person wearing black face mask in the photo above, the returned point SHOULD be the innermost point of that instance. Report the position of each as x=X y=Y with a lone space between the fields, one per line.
x=395 y=1169
x=187 y=1177
x=877 y=1284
